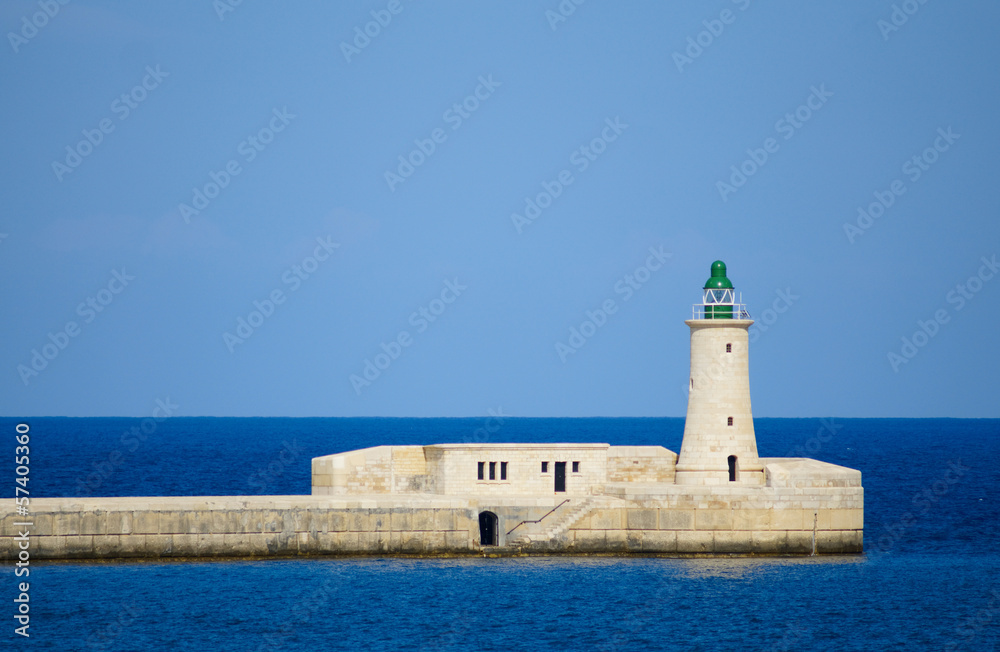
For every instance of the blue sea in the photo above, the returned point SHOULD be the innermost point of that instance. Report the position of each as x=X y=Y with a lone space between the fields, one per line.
x=929 y=580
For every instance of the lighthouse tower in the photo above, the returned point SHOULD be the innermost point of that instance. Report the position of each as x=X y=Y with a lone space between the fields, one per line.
x=719 y=445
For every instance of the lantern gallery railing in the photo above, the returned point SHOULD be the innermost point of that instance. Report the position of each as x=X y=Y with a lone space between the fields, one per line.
x=719 y=311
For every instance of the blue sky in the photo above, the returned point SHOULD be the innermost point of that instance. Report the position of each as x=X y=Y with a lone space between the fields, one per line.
x=439 y=201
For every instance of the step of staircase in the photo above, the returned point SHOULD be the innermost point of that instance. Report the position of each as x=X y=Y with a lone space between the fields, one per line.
x=557 y=524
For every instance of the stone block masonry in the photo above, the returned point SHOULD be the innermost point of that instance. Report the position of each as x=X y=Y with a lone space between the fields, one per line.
x=722 y=529
x=237 y=526
x=668 y=520
x=508 y=469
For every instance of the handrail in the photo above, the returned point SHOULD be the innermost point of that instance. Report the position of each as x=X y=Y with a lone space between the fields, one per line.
x=739 y=310
x=736 y=305
x=539 y=520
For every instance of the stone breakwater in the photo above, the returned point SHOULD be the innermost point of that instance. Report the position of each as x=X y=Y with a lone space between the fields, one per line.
x=638 y=520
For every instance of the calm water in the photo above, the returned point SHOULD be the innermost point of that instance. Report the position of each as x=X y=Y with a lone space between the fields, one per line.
x=930 y=578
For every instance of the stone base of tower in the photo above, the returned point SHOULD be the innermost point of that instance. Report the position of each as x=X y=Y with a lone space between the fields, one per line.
x=718 y=478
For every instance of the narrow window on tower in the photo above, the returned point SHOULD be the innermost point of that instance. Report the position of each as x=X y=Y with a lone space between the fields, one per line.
x=503 y=470
x=692 y=383
x=729 y=422
x=481 y=465
x=493 y=470
x=729 y=348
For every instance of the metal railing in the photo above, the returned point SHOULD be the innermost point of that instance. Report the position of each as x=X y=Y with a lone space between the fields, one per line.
x=739 y=310
x=539 y=520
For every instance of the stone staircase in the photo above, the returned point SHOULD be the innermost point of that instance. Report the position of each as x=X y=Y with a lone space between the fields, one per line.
x=555 y=525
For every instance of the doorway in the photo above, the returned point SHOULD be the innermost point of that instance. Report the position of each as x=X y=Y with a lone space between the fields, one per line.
x=488 y=528
x=560 y=477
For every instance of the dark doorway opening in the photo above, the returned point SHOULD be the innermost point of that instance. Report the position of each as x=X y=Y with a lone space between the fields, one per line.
x=560 y=476
x=734 y=468
x=488 y=528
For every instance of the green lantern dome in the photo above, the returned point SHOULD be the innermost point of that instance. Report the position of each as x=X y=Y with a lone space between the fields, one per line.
x=718 y=280
x=719 y=294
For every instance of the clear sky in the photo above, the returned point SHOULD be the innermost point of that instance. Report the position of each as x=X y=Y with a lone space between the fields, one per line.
x=240 y=207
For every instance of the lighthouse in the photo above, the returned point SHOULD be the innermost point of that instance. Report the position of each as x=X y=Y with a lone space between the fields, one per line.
x=719 y=445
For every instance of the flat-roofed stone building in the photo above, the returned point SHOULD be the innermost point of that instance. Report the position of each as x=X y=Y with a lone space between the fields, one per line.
x=490 y=469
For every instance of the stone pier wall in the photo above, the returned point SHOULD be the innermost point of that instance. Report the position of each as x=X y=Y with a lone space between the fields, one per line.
x=783 y=523
x=717 y=531
x=116 y=528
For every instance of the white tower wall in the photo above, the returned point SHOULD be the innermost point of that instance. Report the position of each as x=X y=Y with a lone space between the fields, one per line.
x=719 y=391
